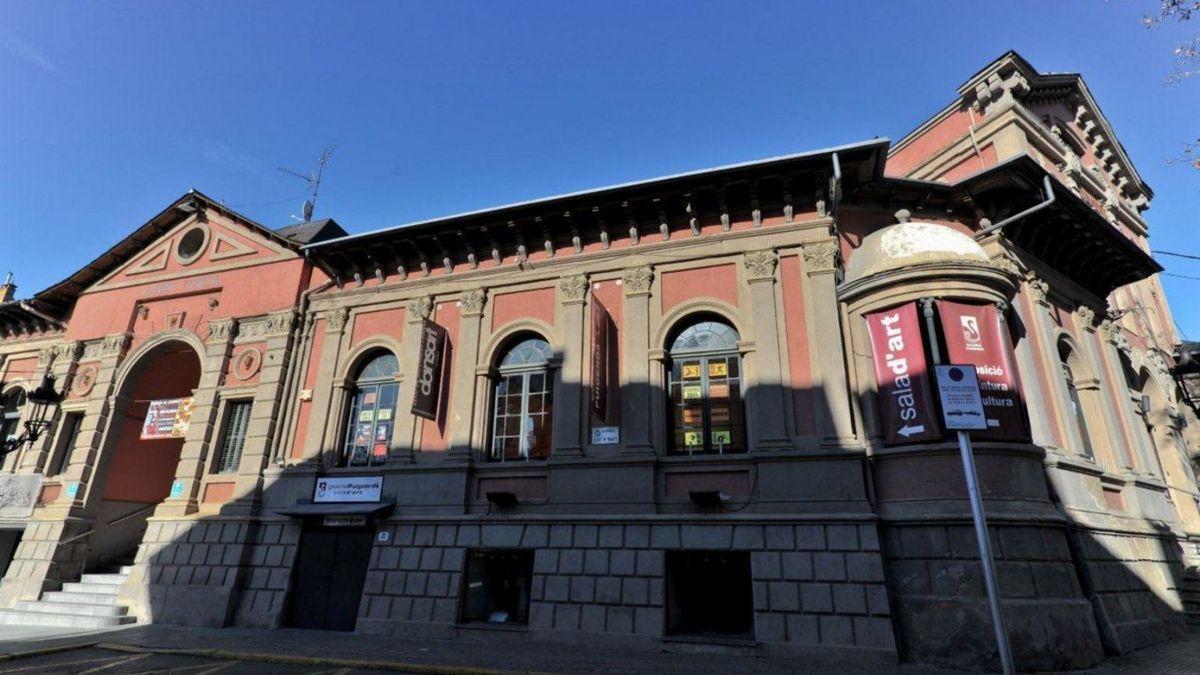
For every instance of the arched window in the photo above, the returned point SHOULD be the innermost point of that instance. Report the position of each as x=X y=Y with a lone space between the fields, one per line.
x=1066 y=356
x=523 y=402
x=1139 y=408
x=372 y=411
x=705 y=389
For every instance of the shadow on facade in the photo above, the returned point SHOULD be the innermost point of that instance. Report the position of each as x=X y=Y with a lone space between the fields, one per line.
x=841 y=564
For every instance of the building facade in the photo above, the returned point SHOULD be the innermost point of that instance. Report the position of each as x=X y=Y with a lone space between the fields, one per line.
x=672 y=410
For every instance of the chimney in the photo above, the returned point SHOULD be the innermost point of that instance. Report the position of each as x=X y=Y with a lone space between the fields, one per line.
x=8 y=290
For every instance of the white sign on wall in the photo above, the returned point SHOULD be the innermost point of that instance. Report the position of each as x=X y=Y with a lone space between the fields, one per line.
x=348 y=489
x=962 y=405
x=19 y=494
x=606 y=435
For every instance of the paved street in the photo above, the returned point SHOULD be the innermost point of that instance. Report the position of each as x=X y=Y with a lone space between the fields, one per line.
x=168 y=649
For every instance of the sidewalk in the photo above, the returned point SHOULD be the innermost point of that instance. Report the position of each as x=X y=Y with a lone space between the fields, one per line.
x=317 y=649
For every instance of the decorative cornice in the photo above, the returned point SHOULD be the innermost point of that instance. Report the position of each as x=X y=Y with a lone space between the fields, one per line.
x=820 y=256
x=221 y=330
x=473 y=301
x=760 y=265
x=637 y=280
x=420 y=308
x=1038 y=289
x=1008 y=264
x=574 y=288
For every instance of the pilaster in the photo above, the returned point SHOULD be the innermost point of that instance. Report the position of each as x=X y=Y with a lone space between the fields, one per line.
x=835 y=424
x=463 y=391
x=569 y=414
x=636 y=419
x=322 y=423
x=765 y=398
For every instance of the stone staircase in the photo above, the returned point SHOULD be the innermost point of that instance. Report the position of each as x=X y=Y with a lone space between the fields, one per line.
x=90 y=602
x=1189 y=593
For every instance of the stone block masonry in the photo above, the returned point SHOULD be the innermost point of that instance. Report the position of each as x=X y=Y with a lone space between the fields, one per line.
x=814 y=585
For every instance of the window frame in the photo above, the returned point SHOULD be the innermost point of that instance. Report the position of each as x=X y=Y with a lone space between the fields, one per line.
x=1067 y=354
x=65 y=440
x=356 y=393
x=705 y=357
x=218 y=467
x=523 y=372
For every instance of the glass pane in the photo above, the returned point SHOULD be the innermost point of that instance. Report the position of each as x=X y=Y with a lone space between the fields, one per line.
x=382 y=367
x=531 y=351
x=706 y=336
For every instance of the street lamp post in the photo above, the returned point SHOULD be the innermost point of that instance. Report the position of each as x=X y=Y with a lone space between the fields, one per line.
x=45 y=400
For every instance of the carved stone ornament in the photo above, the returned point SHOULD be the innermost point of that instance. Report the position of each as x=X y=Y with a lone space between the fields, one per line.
x=473 y=300
x=420 y=308
x=220 y=330
x=1113 y=332
x=279 y=323
x=336 y=319
x=1007 y=264
x=85 y=380
x=1086 y=317
x=114 y=345
x=1158 y=364
x=574 y=288
x=45 y=356
x=1038 y=289
x=66 y=350
x=247 y=363
x=637 y=280
x=820 y=257
x=760 y=265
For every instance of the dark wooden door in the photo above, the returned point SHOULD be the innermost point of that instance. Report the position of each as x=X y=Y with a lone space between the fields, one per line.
x=327 y=581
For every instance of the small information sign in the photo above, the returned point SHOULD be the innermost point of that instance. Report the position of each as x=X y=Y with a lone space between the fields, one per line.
x=606 y=435
x=962 y=405
x=348 y=489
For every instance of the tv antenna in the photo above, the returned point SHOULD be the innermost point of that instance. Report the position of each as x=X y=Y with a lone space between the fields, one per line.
x=313 y=179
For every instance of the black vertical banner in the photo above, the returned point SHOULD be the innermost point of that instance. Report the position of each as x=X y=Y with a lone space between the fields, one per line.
x=429 y=370
x=600 y=338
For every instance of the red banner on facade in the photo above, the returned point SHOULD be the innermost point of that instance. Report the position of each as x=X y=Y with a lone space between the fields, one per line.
x=598 y=403
x=974 y=335
x=905 y=399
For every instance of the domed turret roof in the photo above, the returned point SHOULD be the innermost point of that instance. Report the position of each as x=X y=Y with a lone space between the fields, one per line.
x=913 y=243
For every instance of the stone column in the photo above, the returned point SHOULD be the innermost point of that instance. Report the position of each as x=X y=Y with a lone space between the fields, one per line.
x=635 y=384
x=1056 y=392
x=321 y=422
x=463 y=392
x=835 y=423
x=569 y=416
x=202 y=431
x=1031 y=379
x=265 y=409
x=1112 y=343
x=1102 y=423
x=765 y=398
x=101 y=421
x=405 y=439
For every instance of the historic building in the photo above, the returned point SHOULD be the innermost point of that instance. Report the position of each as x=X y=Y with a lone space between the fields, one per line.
x=691 y=409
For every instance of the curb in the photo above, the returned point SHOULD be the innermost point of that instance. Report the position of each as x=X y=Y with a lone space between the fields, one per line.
x=11 y=656
x=268 y=657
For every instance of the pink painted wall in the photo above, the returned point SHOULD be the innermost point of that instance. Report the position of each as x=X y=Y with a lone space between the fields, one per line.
x=718 y=281
x=389 y=322
x=800 y=371
x=938 y=136
x=532 y=304
x=310 y=382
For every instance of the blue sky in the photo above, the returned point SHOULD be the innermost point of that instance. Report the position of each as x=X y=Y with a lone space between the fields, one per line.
x=109 y=111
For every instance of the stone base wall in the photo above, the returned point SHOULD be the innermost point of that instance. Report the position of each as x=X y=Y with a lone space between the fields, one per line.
x=34 y=567
x=1134 y=582
x=814 y=585
x=941 y=602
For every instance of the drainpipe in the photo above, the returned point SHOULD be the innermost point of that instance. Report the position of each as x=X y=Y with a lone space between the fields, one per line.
x=294 y=367
x=835 y=186
x=1049 y=199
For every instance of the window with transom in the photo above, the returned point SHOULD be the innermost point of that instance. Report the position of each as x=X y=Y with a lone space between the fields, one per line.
x=523 y=402
x=372 y=411
x=1066 y=356
x=704 y=377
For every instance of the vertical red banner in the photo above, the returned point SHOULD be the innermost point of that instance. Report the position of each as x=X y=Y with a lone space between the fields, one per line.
x=905 y=400
x=975 y=336
x=598 y=402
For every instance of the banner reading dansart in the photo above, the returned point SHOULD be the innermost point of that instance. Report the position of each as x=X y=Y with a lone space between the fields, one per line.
x=429 y=370
x=905 y=400
x=168 y=418
x=975 y=336
x=598 y=403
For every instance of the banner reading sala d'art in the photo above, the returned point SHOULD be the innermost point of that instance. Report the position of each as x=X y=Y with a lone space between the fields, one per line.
x=905 y=400
x=429 y=370
x=975 y=336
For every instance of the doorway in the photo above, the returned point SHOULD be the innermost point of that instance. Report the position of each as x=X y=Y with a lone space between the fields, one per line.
x=9 y=538
x=327 y=581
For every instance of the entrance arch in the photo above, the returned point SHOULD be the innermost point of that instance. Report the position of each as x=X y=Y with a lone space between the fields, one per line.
x=135 y=474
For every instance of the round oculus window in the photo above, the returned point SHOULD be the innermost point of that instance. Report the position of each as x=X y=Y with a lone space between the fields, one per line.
x=191 y=244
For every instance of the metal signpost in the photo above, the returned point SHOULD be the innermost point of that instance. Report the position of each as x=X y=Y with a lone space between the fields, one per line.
x=962 y=411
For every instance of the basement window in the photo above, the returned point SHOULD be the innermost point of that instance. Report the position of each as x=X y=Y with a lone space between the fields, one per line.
x=497 y=586
x=709 y=594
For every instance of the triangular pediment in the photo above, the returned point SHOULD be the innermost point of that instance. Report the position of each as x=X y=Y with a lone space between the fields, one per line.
x=202 y=241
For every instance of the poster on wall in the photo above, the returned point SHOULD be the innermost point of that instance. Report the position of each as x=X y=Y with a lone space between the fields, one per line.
x=975 y=336
x=905 y=399
x=167 y=418
x=429 y=379
x=600 y=337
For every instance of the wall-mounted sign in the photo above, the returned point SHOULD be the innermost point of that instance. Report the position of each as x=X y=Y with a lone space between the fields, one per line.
x=167 y=418
x=73 y=489
x=905 y=402
x=975 y=336
x=606 y=435
x=601 y=334
x=177 y=489
x=958 y=392
x=344 y=521
x=429 y=371
x=348 y=489
x=19 y=494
